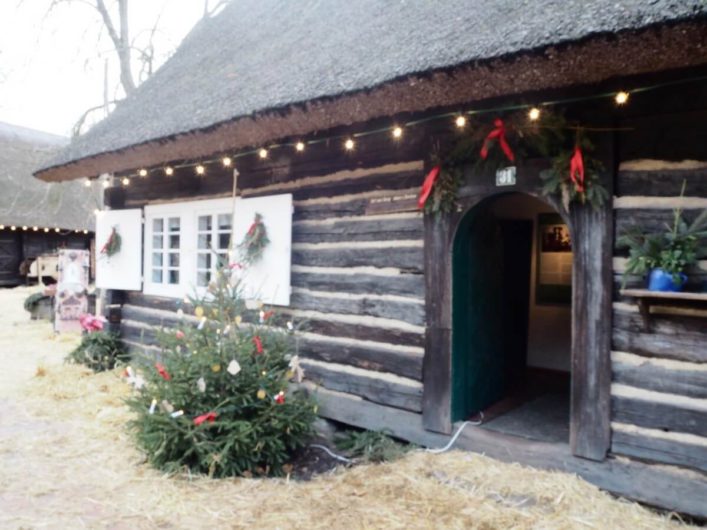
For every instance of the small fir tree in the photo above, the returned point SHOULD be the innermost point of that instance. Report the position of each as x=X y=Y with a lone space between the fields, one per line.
x=217 y=400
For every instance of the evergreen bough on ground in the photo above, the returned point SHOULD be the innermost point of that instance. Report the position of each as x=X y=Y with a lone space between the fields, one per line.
x=371 y=446
x=217 y=402
x=99 y=350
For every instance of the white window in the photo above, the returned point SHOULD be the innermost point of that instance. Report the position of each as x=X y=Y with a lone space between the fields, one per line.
x=187 y=242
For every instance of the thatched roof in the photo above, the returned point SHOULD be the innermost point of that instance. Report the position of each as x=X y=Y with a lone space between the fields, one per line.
x=25 y=200
x=258 y=56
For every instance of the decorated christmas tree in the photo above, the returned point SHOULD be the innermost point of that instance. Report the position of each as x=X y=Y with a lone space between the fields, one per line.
x=216 y=401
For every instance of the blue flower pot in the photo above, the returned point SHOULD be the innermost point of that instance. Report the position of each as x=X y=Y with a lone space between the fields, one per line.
x=659 y=280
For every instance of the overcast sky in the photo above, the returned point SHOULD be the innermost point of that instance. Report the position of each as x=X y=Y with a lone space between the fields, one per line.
x=51 y=65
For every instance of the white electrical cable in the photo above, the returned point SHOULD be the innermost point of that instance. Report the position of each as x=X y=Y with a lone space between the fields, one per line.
x=456 y=435
x=333 y=455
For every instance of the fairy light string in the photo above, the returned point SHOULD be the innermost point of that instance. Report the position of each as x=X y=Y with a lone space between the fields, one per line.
x=396 y=130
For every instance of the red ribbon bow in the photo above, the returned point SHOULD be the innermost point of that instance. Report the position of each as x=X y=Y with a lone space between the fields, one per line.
x=258 y=344
x=209 y=416
x=267 y=315
x=427 y=186
x=163 y=372
x=577 y=169
x=498 y=133
x=280 y=398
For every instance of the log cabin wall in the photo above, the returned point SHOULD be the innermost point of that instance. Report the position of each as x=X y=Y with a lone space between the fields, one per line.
x=659 y=367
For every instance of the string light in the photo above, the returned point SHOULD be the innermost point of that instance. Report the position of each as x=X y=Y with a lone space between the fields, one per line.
x=263 y=153
x=46 y=230
x=142 y=172
x=226 y=161
x=200 y=170
x=85 y=231
x=169 y=171
x=35 y=228
x=460 y=122
x=13 y=228
x=24 y=227
x=534 y=114
x=349 y=144
x=397 y=132
x=56 y=229
x=621 y=98
x=2 y=227
x=299 y=146
x=125 y=181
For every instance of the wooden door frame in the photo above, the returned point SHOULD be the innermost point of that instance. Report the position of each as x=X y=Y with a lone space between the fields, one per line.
x=592 y=280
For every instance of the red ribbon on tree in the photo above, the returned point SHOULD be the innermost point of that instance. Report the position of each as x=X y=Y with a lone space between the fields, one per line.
x=163 y=372
x=427 y=186
x=577 y=169
x=258 y=344
x=499 y=133
x=209 y=416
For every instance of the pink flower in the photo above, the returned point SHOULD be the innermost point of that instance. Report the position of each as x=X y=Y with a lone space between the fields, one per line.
x=179 y=334
x=235 y=266
x=91 y=323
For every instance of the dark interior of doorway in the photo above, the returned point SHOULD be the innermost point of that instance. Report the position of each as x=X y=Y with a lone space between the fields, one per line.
x=491 y=376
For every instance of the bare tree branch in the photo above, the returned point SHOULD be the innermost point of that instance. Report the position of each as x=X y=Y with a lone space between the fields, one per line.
x=121 y=42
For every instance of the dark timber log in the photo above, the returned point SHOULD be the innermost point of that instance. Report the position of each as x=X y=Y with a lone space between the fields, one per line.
x=344 y=208
x=679 y=347
x=664 y=324
x=409 y=259
x=380 y=359
x=683 y=382
x=411 y=312
x=373 y=230
x=654 y=415
x=331 y=328
x=662 y=182
x=370 y=387
x=412 y=285
x=659 y=450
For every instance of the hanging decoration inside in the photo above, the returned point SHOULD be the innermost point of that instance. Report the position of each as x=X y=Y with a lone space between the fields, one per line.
x=254 y=242
x=112 y=245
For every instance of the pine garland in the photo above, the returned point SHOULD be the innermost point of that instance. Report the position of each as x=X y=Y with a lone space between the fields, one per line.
x=254 y=242
x=112 y=244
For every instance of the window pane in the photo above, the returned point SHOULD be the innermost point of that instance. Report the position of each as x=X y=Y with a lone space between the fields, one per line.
x=204 y=241
x=156 y=259
x=173 y=277
x=174 y=259
x=204 y=223
x=157 y=225
x=202 y=279
x=223 y=240
x=222 y=260
x=224 y=222
x=157 y=242
x=174 y=224
x=174 y=241
x=203 y=261
x=156 y=275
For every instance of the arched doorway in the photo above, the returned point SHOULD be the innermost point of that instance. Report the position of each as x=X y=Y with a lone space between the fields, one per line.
x=511 y=318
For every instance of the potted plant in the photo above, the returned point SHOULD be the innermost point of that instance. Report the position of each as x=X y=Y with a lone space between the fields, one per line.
x=665 y=256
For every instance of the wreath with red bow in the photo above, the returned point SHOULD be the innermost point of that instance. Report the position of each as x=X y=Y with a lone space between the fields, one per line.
x=112 y=245
x=255 y=241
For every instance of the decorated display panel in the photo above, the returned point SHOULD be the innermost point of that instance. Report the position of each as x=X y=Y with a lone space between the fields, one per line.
x=71 y=301
x=187 y=242
x=118 y=249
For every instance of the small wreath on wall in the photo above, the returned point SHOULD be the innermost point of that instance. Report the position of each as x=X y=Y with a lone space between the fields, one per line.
x=112 y=245
x=255 y=241
x=574 y=176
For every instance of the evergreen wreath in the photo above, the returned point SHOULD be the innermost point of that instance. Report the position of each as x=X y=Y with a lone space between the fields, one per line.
x=112 y=244
x=255 y=241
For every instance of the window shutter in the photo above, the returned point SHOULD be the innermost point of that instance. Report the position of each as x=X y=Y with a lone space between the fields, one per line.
x=122 y=270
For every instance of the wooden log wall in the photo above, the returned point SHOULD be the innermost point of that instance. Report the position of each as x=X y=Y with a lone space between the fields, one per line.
x=659 y=372
x=357 y=281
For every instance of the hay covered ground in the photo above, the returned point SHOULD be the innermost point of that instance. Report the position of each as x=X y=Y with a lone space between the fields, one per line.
x=66 y=461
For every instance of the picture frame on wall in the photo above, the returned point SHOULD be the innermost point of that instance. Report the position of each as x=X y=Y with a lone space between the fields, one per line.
x=554 y=261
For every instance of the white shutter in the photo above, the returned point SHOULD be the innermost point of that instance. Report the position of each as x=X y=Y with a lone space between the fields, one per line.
x=123 y=270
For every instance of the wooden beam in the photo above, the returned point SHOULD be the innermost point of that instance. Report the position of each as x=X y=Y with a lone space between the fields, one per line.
x=665 y=416
x=654 y=449
x=412 y=285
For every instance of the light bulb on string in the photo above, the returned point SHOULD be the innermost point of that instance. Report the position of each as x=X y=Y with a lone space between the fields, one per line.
x=534 y=114
x=35 y=228
x=2 y=227
x=621 y=97
x=125 y=181
x=142 y=172
x=169 y=171
x=299 y=146
x=397 y=132
x=460 y=122
x=24 y=228
x=200 y=170
x=46 y=230
x=349 y=144
x=226 y=161
x=13 y=228
x=56 y=229
x=263 y=153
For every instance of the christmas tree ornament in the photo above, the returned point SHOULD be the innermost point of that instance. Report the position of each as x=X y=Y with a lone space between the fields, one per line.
x=261 y=394
x=280 y=398
x=177 y=414
x=180 y=312
x=153 y=405
x=215 y=368
x=290 y=326
x=296 y=369
x=202 y=322
x=238 y=320
x=226 y=330
x=233 y=367
x=258 y=344
x=179 y=334
x=163 y=372
x=167 y=406
x=201 y=385
x=209 y=416
x=198 y=311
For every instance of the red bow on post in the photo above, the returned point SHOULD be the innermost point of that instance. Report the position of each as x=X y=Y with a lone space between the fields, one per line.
x=427 y=186
x=163 y=372
x=577 y=169
x=498 y=133
x=209 y=416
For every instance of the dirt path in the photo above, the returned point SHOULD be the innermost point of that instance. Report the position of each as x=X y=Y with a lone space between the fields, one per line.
x=67 y=462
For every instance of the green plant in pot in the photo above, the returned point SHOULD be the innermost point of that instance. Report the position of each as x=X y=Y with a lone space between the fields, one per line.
x=666 y=256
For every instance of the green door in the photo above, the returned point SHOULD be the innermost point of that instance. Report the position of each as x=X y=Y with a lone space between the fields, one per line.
x=491 y=275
